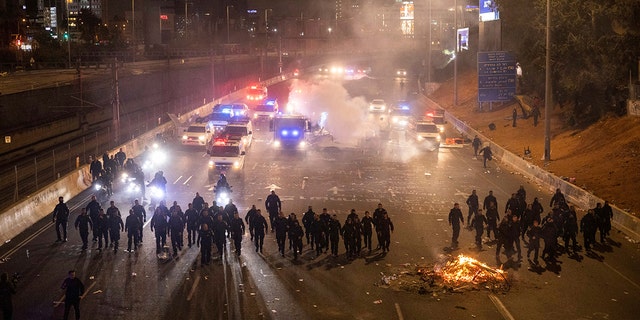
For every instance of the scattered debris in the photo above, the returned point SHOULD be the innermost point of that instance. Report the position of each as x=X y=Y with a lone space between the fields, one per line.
x=378 y=302
x=97 y=291
x=450 y=274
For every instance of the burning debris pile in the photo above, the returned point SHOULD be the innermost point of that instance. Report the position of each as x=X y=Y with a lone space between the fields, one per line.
x=454 y=274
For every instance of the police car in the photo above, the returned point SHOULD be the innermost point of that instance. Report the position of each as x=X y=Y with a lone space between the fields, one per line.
x=225 y=154
x=267 y=110
x=196 y=135
x=239 y=131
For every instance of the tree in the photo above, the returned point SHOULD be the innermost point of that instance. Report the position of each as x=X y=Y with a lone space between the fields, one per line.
x=88 y=25
x=593 y=45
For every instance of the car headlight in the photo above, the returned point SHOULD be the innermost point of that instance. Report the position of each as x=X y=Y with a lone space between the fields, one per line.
x=303 y=144
x=276 y=143
x=438 y=138
x=201 y=138
x=98 y=186
x=441 y=129
x=211 y=164
x=394 y=120
x=236 y=164
x=383 y=107
x=420 y=138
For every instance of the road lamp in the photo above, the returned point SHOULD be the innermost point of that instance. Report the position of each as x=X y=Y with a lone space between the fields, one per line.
x=547 y=89
x=266 y=27
x=229 y=6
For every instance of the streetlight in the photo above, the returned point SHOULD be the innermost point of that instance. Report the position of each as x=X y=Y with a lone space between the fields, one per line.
x=266 y=27
x=547 y=90
x=229 y=6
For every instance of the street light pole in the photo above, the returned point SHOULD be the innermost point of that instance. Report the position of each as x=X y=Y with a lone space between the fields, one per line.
x=455 y=58
x=547 y=89
x=228 y=23
x=68 y=35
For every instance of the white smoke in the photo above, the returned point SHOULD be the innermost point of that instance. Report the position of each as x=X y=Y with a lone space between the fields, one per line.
x=346 y=116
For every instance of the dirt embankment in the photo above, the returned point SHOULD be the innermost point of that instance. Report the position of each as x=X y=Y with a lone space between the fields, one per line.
x=603 y=158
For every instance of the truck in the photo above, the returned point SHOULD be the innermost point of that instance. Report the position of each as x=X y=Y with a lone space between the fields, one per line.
x=225 y=154
x=289 y=131
x=266 y=110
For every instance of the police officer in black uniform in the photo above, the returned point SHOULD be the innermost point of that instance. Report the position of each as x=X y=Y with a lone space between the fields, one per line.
x=237 y=231
x=455 y=218
x=61 y=217
x=260 y=227
x=83 y=224
x=132 y=227
x=281 y=225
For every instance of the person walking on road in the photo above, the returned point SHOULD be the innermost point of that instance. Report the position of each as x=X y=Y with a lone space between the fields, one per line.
x=385 y=230
x=191 y=220
x=249 y=217
x=205 y=241
x=132 y=227
x=455 y=218
x=588 y=227
x=73 y=291
x=473 y=203
x=478 y=223
x=83 y=224
x=367 y=229
x=141 y=214
x=60 y=218
x=7 y=290
x=534 y=233
x=476 y=143
x=237 y=231
x=281 y=225
x=377 y=216
x=307 y=219
x=274 y=206
x=260 y=227
x=335 y=229
x=115 y=227
x=93 y=208
x=487 y=155
x=295 y=234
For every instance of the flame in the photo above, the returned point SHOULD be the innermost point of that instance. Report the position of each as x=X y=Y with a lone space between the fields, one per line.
x=469 y=270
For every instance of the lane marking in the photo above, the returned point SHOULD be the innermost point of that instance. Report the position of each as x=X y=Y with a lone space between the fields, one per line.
x=304 y=181
x=193 y=288
x=622 y=275
x=180 y=177
x=187 y=181
x=399 y=312
x=40 y=231
x=359 y=174
x=501 y=308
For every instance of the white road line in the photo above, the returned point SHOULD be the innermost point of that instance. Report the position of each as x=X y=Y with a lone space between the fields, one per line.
x=254 y=166
x=193 y=289
x=501 y=308
x=304 y=181
x=359 y=174
x=187 y=181
x=399 y=312
x=180 y=177
x=622 y=275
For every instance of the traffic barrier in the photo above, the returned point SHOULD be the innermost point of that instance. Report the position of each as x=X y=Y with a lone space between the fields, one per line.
x=624 y=221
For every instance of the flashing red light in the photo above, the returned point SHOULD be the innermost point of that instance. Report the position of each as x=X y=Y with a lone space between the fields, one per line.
x=164 y=17
x=429 y=114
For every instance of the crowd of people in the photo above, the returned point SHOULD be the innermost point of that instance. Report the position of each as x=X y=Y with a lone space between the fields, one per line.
x=526 y=221
x=208 y=225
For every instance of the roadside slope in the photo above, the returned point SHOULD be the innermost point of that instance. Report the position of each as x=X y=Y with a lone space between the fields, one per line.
x=603 y=158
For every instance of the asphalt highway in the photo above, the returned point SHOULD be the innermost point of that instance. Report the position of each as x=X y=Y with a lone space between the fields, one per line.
x=417 y=188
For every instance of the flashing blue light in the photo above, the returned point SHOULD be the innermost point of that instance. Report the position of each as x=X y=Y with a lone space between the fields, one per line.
x=404 y=107
x=284 y=133
x=227 y=110
x=270 y=102
x=295 y=133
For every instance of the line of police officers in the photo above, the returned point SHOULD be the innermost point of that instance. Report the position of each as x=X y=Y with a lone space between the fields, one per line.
x=522 y=219
x=208 y=225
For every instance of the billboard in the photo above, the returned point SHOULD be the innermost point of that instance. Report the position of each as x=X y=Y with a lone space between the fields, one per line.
x=489 y=10
x=463 y=39
x=407 y=11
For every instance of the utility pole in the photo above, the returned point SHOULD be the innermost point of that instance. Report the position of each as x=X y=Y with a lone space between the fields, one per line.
x=115 y=103
x=455 y=60
x=547 y=89
x=212 y=56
